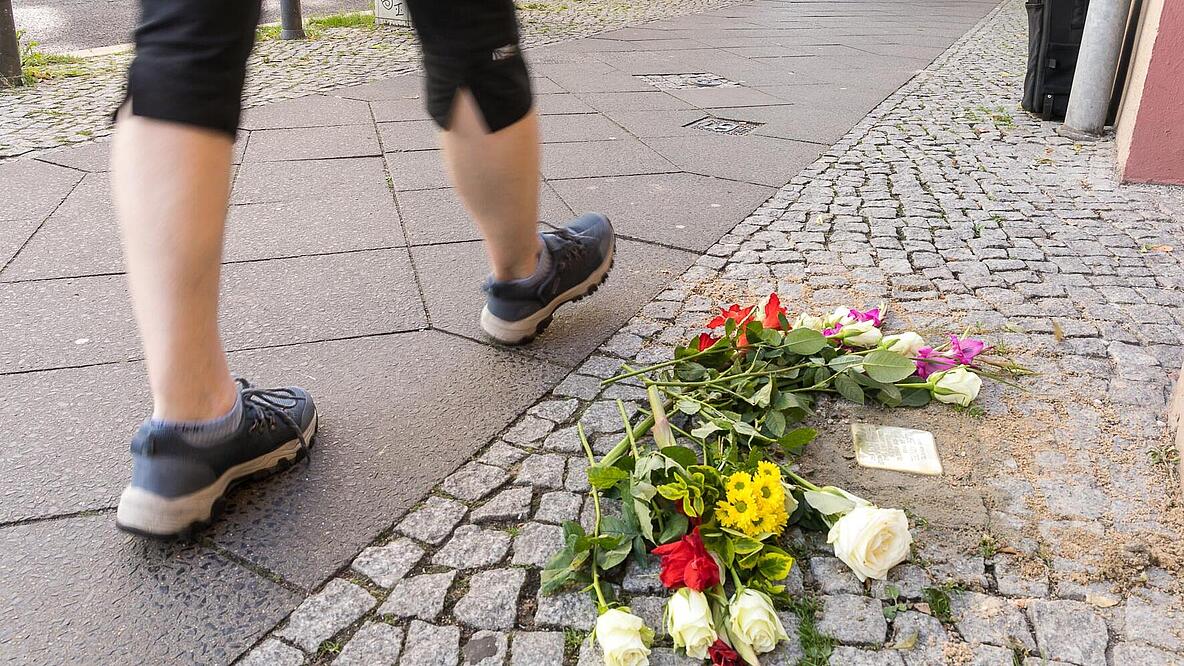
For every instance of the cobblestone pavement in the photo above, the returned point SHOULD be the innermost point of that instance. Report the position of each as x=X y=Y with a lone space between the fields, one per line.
x=1053 y=536
x=73 y=110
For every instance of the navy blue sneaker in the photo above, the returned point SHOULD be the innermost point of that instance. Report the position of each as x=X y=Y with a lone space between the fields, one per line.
x=176 y=486
x=581 y=256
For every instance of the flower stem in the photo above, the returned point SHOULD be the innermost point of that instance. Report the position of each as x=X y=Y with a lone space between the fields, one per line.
x=800 y=480
x=657 y=366
x=601 y=605
x=619 y=450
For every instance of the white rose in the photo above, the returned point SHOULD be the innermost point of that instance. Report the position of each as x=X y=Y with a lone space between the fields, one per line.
x=753 y=621
x=623 y=638
x=809 y=321
x=871 y=540
x=688 y=621
x=907 y=343
x=839 y=316
x=956 y=387
x=861 y=334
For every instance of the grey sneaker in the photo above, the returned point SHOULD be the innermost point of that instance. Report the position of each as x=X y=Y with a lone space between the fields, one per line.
x=177 y=487
x=581 y=256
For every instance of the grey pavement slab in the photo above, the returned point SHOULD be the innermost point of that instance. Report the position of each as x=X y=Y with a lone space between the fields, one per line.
x=316 y=182
x=33 y=189
x=633 y=101
x=654 y=123
x=561 y=103
x=94 y=156
x=78 y=591
x=409 y=86
x=578 y=127
x=14 y=234
x=407 y=135
x=74 y=456
x=311 y=111
x=399 y=109
x=710 y=98
x=683 y=210
x=451 y=276
x=399 y=413
x=60 y=323
x=437 y=216
x=753 y=159
x=620 y=157
x=417 y=170
x=311 y=143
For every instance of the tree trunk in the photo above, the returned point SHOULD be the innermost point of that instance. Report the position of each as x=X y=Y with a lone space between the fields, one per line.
x=10 y=51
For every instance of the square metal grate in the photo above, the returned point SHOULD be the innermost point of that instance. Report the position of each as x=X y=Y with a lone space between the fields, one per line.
x=724 y=125
x=687 y=81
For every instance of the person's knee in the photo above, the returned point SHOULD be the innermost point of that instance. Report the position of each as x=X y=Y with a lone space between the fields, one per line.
x=190 y=61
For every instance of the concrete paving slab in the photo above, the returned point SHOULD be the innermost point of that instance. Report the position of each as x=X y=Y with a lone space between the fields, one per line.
x=437 y=216
x=633 y=101
x=13 y=236
x=671 y=122
x=81 y=237
x=394 y=88
x=707 y=98
x=288 y=229
x=311 y=111
x=451 y=276
x=752 y=159
x=94 y=156
x=622 y=157
x=322 y=181
x=579 y=127
x=400 y=413
x=683 y=210
x=59 y=323
x=33 y=189
x=73 y=457
x=561 y=103
x=312 y=143
x=78 y=591
x=392 y=110
x=417 y=170
x=407 y=135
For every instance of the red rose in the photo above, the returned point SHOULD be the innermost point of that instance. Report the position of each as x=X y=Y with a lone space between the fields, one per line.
x=705 y=341
x=773 y=310
x=733 y=312
x=722 y=654
x=687 y=562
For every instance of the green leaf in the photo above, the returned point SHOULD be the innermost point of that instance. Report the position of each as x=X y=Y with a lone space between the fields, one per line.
x=763 y=395
x=690 y=371
x=603 y=478
x=848 y=388
x=610 y=557
x=743 y=428
x=744 y=545
x=676 y=527
x=774 y=565
x=704 y=431
x=681 y=455
x=915 y=397
x=795 y=440
x=645 y=522
x=775 y=424
x=786 y=400
x=687 y=407
x=888 y=367
x=804 y=341
x=828 y=504
x=844 y=361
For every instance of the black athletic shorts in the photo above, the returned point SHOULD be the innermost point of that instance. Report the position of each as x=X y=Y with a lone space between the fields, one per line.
x=191 y=55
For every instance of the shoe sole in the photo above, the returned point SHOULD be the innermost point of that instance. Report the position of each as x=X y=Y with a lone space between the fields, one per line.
x=147 y=514
x=523 y=331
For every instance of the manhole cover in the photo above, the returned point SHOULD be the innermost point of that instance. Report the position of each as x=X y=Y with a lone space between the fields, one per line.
x=687 y=80
x=724 y=125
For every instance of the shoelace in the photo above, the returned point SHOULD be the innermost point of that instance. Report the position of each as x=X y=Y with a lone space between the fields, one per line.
x=571 y=249
x=273 y=403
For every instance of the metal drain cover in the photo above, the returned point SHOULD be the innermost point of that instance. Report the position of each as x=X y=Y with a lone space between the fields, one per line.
x=687 y=81
x=724 y=125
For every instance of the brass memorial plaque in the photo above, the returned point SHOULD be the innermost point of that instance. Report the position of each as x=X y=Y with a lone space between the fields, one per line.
x=899 y=449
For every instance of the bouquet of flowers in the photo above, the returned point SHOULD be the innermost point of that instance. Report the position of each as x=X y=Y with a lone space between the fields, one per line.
x=705 y=480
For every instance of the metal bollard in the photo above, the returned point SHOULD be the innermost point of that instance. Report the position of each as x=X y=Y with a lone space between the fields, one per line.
x=10 y=48
x=291 y=22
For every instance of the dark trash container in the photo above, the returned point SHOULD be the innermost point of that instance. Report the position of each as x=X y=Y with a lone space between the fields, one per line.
x=1054 y=39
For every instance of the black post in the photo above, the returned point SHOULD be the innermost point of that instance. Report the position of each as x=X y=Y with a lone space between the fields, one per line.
x=291 y=23
x=10 y=49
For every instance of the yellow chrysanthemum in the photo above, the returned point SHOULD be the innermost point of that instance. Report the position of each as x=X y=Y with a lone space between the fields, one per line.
x=765 y=468
x=768 y=491
x=740 y=482
x=740 y=511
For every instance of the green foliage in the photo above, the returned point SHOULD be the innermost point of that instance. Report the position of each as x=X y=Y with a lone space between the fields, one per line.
x=816 y=645
x=38 y=66
x=938 y=599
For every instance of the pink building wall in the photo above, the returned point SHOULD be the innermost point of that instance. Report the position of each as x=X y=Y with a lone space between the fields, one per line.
x=1151 y=121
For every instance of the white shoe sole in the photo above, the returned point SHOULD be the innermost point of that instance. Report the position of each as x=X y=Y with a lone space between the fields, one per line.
x=146 y=513
x=524 y=330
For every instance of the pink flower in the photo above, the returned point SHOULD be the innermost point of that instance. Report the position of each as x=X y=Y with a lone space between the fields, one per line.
x=964 y=351
x=930 y=362
x=872 y=315
x=833 y=331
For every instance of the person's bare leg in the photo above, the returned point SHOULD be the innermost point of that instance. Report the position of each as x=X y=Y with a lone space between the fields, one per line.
x=497 y=177
x=171 y=185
